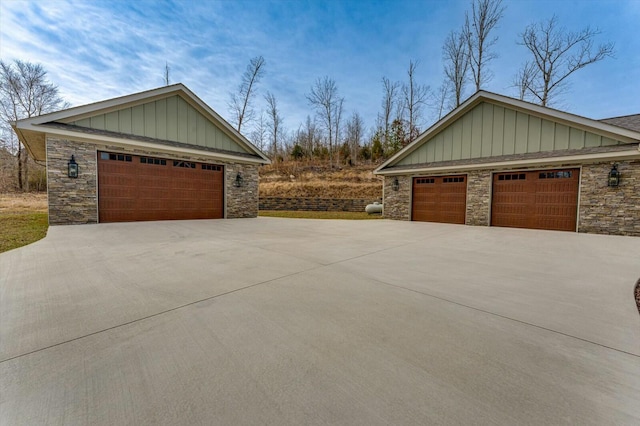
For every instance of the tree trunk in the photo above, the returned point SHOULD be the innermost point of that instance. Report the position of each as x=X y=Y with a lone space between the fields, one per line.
x=20 y=166
x=26 y=172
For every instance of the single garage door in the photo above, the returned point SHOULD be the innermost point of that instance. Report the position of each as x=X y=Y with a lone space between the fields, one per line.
x=543 y=199
x=439 y=199
x=133 y=188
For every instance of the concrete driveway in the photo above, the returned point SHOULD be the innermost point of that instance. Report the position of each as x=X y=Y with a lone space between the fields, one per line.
x=291 y=321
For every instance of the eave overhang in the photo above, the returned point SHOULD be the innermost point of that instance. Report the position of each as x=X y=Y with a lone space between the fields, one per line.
x=129 y=142
x=630 y=152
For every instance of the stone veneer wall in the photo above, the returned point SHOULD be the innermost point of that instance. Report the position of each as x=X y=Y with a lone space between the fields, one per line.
x=606 y=210
x=602 y=210
x=241 y=201
x=75 y=201
x=397 y=204
x=71 y=201
x=478 y=197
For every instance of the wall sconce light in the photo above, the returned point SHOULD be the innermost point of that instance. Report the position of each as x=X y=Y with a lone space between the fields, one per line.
x=614 y=176
x=73 y=167
x=239 y=180
x=396 y=184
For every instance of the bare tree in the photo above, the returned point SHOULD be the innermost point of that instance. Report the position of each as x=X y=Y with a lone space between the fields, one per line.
x=485 y=15
x=524 y=79
x=440 y=101
x=240 y=105
x=324 y=98
x=311 y=135
x=338 y=126
x=390 y=104
x=456 y=64
x=259 y=134
x=415 y=97
x=166 y=73
x=24 y=92
x=557 y=54
x=355 y=134
x=275 y=123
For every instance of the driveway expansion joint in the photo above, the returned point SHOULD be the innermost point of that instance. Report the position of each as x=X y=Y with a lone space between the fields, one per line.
x=507 y=317
x=195 y=302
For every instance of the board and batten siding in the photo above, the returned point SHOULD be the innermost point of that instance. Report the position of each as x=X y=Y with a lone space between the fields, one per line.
x=171 y=119
x=490 y=130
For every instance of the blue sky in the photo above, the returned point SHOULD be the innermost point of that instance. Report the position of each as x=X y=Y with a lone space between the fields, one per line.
x=95 y=50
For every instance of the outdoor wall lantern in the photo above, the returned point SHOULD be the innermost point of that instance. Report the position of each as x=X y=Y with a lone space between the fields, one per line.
x=396 y=184
x=73 y=167
x=614 y=176
x=239 y=181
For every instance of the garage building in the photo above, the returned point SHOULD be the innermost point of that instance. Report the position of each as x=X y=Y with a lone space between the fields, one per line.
x=162 y=154
x=499 y=161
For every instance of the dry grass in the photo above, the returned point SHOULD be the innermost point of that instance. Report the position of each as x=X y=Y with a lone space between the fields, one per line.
x=319 y=215
x=321 y=189
x=23 y=219
x=23 y=202
x=313 y=179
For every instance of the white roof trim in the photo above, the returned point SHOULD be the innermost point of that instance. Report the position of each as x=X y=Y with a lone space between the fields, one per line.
x=480 y=96
x=614 y=155
x=133 y=143
x=136 y=98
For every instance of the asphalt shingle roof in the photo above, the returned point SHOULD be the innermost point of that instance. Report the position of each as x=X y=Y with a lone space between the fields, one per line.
x=631 y=122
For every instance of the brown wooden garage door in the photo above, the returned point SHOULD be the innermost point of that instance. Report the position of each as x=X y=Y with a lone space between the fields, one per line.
x=133 y=188
x=543 y=199
x=439 y=199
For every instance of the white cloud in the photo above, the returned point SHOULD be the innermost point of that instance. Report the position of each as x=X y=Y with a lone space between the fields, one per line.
x=95 y=50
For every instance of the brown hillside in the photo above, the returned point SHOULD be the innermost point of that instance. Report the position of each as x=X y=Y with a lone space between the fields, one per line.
x=304 y=179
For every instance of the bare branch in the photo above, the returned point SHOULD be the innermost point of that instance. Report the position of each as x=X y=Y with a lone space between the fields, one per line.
x=275 y=123
x=259 y=133
x=485 y=15
x=415 y=97
x=355 y=134
x=441 y=97
x=524 y=78
x=24 y=92
x=557 y=54
x=456 y=59
x=166 y=73
x=389 y=103
x=328 y=105
x=241 y=102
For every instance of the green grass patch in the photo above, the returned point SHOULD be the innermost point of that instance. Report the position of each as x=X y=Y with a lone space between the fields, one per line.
x=20 y=229
x=319 y=215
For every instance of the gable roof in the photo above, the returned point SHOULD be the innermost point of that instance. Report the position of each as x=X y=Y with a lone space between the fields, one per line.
x=169 y=118
x=601 y=135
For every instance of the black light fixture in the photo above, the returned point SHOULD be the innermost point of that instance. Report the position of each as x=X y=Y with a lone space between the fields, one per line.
x=614 y=176
x=73 y=167
x=239 y=181
x=396 y=184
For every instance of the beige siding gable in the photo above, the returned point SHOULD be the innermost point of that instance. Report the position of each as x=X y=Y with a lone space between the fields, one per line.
x=490 y=130
x=171 y=118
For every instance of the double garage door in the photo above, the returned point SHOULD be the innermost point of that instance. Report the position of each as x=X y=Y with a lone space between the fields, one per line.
x=544 y=199
x=137 y=188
